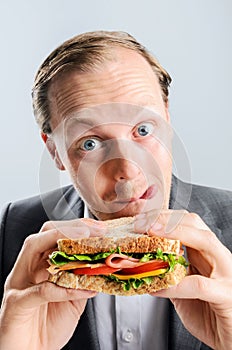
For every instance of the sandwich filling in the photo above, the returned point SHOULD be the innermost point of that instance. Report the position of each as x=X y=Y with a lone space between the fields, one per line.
x=132 y=270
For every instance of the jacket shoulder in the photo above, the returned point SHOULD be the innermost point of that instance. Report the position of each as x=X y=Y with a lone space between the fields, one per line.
x=213 y=205
x=211 y=194
x=216 y=201
x=198 y=198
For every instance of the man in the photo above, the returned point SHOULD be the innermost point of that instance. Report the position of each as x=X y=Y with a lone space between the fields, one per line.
x=101 y=101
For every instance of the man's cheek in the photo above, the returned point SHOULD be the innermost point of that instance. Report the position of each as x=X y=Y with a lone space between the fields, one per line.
x=84 y=179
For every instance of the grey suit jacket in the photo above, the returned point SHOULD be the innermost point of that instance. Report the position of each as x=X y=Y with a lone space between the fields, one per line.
x=22 y=218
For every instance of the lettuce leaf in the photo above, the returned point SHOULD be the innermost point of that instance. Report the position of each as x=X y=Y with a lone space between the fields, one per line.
x=61 y=258
x=130 y=283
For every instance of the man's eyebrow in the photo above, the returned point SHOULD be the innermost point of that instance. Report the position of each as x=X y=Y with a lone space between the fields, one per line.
x=88 y=118
x=80 y=120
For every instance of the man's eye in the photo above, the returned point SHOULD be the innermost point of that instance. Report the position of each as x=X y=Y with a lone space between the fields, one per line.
x=89 y=144
x=145 y=129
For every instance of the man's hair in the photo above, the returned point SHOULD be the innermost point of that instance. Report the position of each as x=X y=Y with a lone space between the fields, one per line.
x=84 y=53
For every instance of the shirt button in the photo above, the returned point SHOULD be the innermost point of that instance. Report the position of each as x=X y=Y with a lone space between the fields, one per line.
x=128 y=336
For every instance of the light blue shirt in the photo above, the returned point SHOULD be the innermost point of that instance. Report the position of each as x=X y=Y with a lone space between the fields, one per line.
x=136 y=322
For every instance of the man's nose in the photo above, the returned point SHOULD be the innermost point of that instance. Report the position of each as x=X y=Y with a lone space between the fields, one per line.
x=123 y=169
x=123 y=160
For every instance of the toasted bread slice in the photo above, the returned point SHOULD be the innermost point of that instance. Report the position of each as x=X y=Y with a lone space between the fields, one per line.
x=120 y=235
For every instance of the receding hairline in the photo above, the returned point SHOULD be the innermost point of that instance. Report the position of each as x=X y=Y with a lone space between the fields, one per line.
x=107 y=54
x=86 y=53
x=113 y=54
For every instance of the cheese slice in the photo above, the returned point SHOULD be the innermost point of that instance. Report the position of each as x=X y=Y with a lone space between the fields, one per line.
x=140 y=275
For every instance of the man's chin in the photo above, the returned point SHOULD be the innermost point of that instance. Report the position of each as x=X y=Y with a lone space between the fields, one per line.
x=128 y=209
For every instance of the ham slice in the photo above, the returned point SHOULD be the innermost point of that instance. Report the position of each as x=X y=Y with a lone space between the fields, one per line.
x=53 y=269
x=121 y=261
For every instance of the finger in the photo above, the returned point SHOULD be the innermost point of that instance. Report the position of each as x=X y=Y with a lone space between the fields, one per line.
x=198 y=287
x=50 y=225
x=202 y=240
x=35 y=250
x=183 y=218
x=168 y=219
x=199 y=263
x=43 y=241
x=93 y=227
x=211 y=264
x=144 y=221
x=75 y=232
x=194 y=233
x=44 y=293
x=46 y=240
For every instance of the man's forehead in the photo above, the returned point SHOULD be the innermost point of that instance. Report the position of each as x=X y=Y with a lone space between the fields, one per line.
x=122 y=82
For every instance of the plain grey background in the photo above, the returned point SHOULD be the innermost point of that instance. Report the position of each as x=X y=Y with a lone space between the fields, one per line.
x=191 y=39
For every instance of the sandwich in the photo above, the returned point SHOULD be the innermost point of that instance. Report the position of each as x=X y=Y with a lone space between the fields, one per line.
x=119 y=263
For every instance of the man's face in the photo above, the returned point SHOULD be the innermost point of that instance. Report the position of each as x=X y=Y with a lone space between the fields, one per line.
x=111 y=132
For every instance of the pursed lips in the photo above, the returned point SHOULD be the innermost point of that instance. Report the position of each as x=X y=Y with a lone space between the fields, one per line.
x=150 y=193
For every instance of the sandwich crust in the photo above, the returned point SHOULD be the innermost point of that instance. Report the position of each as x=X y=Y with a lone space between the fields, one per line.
x=135 y=243
x=120 y=234
x=101 y=284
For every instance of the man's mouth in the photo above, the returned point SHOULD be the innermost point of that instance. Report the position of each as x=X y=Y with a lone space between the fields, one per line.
x=150 y=193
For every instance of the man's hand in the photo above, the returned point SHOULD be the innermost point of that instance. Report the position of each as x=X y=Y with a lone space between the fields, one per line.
x=37 y=314
x=203 y=299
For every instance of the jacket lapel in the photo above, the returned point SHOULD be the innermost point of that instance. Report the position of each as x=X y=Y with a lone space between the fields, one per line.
x=67 y=204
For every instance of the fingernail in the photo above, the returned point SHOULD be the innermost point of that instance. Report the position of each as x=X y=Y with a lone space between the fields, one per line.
x=140 y=216
x=76 y=233
x=98 y=233
x=140 y=225
x=155 y=228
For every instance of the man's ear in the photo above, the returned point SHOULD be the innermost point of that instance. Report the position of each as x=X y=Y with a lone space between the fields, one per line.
x=167 y=112
x=53 y=151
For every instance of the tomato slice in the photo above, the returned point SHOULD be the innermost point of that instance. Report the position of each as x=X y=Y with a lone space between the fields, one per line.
x=145 y=267
x=103 y=270
x=107 y=270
